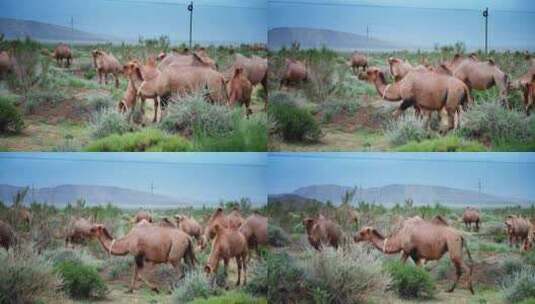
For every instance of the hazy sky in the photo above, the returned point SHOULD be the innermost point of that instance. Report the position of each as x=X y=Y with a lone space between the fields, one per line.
x=502 y=174
x=213 y=20
x=203 y=176
x=420 y=23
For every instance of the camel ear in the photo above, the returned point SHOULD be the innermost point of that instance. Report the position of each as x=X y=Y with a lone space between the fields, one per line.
x=198 y=57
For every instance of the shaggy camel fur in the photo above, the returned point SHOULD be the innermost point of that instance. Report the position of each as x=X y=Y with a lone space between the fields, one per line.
x=356 y=61
x=526 y=83
x=296 y=71
x=422 y=241
x=149 y=243
x=233 y=220
x=239 y=90
x=322 y=231
x=197 y=59
x=142 y=215
x=128 y=103
x=424 y=90
x=8 y=238
x=228 y=243
x=471 y=215
x=255 y=230
x=105 y=64
x=78 y=230
x=62 y=51
x=190 y=226
x=518 y=229
x=255 y=69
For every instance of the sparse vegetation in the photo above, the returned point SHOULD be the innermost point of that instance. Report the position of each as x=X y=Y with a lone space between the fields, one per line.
x=410 y=281
x=10 y=118
x=520 y=286
x=81 y=281
x=147 y=140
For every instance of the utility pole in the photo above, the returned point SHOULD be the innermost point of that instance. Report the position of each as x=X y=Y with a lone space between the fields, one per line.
x=72 y=24
x=479 y=188
x=190 y=9
x=486 y=16
x=368 y=33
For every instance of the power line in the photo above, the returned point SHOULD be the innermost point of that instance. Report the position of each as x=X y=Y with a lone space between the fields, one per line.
x=185 y=4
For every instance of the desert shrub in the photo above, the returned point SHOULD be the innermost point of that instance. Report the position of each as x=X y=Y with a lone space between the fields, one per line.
x=520 y=285
x=108 y=122
x=410 y=281
x=292 y=122
x=406 y=129
x=90 y=74
x=496 y=230
x=450 y=143
x=529 y=257
x=345 y=276
x=61 y=255
x=147 y=140
x=118 y=266
x=331 y=108
x=193 y=114
x=29 y=69
x=234 y=297
x=81 y=281
x=27 y=278
x=10 y=117
x=512 y=264
x=195 y=285
x=283 y=279
x=277 y=236
x=99 y=102
x=489 y=121
x=257 y=279
x=36 y=98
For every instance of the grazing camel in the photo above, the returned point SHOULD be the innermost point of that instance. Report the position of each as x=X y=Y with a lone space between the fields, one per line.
x=228 y=243
x=356 y=61
x=322 y=231
x=149 y=243
x=8 y=238
x=424 y=90
x=62 y=51
x=78 y=230
x=422 y=241
x=233 y=220
x=128 y=103
x=239 y=90
x=526 y=83
x=105 y=64
x=471 y=215
x=518 y=229
x=142 y=215
x=190 y=226
x=296 y=71
x=255 y=230
x=255 y=69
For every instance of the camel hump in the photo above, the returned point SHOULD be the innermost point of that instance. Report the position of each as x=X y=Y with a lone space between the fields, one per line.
x=439 y=220
x=491 y=61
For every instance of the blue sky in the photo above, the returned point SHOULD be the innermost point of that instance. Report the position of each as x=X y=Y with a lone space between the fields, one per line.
x=416 y=23
x=502 y=174
x=214 y=20
x=204 y=176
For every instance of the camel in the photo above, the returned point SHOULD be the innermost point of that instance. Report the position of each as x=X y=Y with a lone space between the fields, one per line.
x=322 y=231
x=189 y=225
x=228 y=243
x=62 y=51
x=8 y=238
x=198 y=59
x=399 y=68
x=78 y=230
x=471 y=215
x=424 y=90
x=526 y=83
x=233 y=220
x=106 y=64
x=183 y=80
x=422 y=241
x=356 y=61
x=22 y=214
x=239 y=89
x=255 y=230
x=6 y=64
x=142 y=215
x=518 y=229
x=148 y=243
x=255 y=70
x=128 y=103
x=296 y=71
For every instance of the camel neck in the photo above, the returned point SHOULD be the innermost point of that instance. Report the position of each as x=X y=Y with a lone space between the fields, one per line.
x=388 y=92
x=386 y=245
x=113 y=246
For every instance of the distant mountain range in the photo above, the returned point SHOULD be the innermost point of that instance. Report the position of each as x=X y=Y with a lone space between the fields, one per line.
x=93 y=195
x=391 y=194
x=46 y=32
x=316 y=38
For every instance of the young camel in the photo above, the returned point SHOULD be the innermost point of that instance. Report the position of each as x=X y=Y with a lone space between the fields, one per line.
x=228 y=243
x=321 y=230
x=148 y=243
x=239 y=90
x=189 y=225
x=518 y=229
x=105 y=64
x=427 y=91
x=422 y=241
x=233 y=220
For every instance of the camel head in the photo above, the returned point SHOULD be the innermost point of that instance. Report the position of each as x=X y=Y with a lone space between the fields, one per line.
x=99 y=230
x=179 y=218
x=309 y=222
x=95 y=54
x=133 y=69
x=366 y=234
x=375 y=73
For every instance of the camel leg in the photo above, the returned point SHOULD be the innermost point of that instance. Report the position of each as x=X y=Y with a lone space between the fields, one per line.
x=239 y=264
x=265 y=86
x=458 y=272
x=134 y=277
x=176 y=266
x=99 y=76
x=225 y=269
x=116 y=80
x=151 y=286
x=157 y=105
x=106 y=78
x=244 y=266
x=404 y=257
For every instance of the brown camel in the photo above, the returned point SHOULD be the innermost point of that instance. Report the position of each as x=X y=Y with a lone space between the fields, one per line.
x=228 y=243
x=422 y=241
x=239 y=90
x=106 y=64
x=255 y=230
x=142 y=215
x=6 y=64
x=322 y=231
x=526 y=83
x=295 y=72
x=399 y=68
x=149 y=243
x=190 y=226
x=356 y=61
x=518 y=229
x=62 y=51
x=233 y=220
x=424 y=90
x=128 y=103
x=197 y=59
x=8 y=238
x=78 y=230
x=471 y=215
x=255 y=69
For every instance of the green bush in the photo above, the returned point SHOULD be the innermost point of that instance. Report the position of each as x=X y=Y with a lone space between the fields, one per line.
x=331 y=108
x=410 y=281
x=36 y=99
x=10 y=117
x=231 y=297
x=108 y=122
x=27 y=278
x=277 y=237
x=345 y=276
x=283 y=279
x=520 y=285
x=118 y=266
x=292 y=122
x=147 y=140
x=81 y=281
x=257 y=279
x=195 y=285
x=99 y=102
x=405 y=129
x=450 y=143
